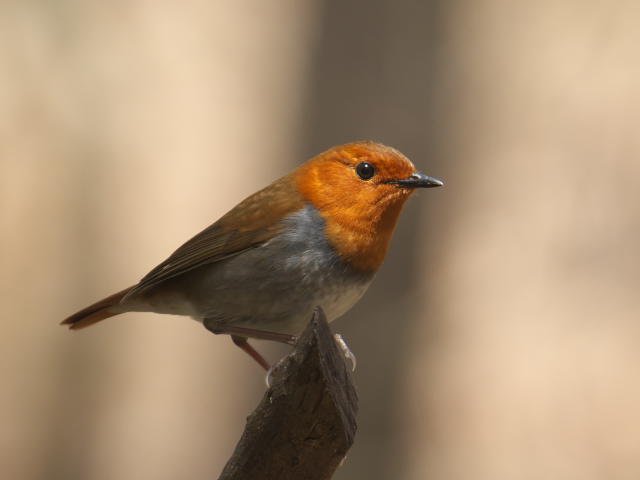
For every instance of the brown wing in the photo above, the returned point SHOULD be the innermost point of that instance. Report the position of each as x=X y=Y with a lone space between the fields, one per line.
x=249 y=224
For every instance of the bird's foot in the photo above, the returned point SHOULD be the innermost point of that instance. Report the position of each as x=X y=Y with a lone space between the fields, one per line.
x=275 y=371
x=346 y=351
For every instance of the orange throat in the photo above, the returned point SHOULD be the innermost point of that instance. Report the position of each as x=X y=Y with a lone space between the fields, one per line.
x=359 y=221
x=362 y=240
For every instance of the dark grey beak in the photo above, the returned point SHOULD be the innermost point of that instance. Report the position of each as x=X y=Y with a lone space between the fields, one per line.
x=417 y=180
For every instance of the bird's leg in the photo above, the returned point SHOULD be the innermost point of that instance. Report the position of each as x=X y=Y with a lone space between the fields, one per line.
x=243 y=343
x=239 y=336
x=258 y=334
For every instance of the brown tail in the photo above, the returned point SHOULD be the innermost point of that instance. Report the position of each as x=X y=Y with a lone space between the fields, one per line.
x=96 y=312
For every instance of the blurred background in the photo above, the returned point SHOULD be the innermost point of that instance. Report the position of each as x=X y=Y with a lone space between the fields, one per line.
x=501 y=339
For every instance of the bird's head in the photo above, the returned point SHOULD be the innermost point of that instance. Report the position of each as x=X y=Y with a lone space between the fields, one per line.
x=360 y=188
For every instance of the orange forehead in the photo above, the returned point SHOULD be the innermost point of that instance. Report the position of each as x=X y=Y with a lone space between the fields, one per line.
x=389 y=163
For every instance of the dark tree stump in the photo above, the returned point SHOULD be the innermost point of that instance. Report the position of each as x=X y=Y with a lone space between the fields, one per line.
x=306 y=421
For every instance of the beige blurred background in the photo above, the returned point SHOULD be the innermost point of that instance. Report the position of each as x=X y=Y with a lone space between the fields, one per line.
x=502 y=337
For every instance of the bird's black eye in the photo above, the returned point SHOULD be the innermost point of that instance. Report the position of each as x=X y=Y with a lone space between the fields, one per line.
x=365 y=170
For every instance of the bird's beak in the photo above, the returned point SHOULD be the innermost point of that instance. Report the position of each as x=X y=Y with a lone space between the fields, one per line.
x=417 y=180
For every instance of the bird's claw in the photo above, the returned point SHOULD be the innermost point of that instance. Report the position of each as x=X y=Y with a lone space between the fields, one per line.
x=274 y=371
x=346 y=351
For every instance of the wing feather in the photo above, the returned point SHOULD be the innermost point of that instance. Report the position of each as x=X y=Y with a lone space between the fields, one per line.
x=252 y=223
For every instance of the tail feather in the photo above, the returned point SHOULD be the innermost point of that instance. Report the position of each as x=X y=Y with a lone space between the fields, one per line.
x=96 y=312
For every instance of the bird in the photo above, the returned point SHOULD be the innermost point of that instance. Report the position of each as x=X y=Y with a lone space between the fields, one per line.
x=315 y=237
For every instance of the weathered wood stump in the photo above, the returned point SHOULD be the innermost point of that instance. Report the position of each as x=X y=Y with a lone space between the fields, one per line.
x=306 y=422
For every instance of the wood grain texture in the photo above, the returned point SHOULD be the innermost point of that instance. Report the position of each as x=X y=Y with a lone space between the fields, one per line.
x=306 y=421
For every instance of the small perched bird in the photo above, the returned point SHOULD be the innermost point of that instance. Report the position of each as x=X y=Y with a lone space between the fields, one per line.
x=315 y=237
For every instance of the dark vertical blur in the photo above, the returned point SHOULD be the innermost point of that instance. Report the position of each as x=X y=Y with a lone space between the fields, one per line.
x=376 y=76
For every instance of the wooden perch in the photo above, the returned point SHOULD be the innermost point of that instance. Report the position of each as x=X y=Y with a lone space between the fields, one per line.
x=306 y=421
